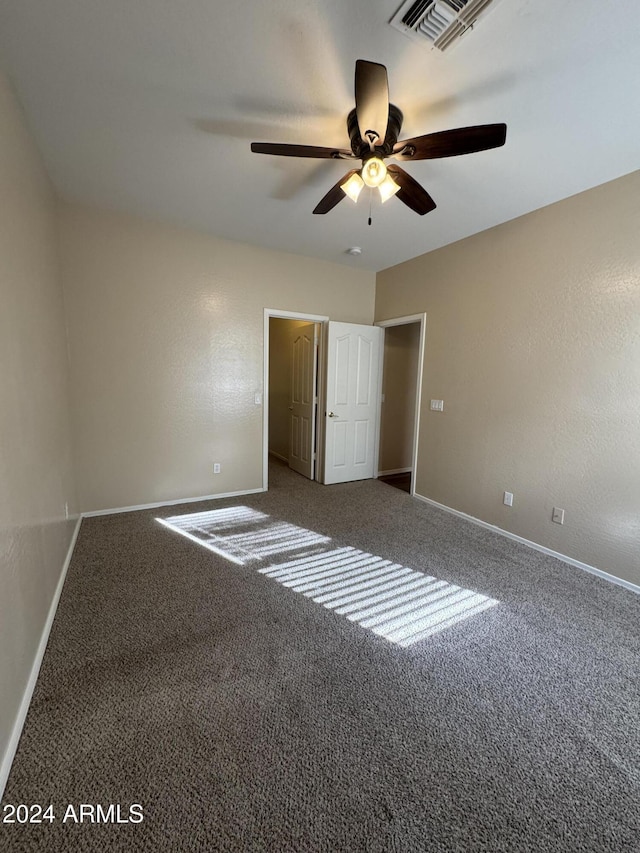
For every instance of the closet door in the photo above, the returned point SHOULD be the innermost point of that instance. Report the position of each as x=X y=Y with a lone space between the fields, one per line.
x=302 y=399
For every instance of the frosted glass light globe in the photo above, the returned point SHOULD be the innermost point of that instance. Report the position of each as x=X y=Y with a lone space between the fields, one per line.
x=374 y=172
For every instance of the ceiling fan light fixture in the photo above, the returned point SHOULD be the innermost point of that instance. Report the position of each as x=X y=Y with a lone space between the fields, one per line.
x=373 y=120
x=388 y=188
x=374 y=172
x=353 y=186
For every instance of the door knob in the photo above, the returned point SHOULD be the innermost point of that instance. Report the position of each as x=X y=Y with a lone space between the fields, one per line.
x=290 y=408
x=331 y=415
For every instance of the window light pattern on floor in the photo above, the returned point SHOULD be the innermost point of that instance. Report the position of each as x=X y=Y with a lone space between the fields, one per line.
x=398 y=603
x=255 y=536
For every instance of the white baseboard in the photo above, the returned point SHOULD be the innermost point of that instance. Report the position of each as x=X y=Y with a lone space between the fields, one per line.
x=394 y=471
x=565 y=559
x=279 y=456
x=10 y=751
x=116 y=510
x=9 y=754
x=12 y=745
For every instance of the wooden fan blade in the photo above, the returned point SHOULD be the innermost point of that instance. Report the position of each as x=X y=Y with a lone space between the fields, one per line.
x=451 y=143
x=284 y=150
x=410 y=192
x=372 y=100
x=335 y=195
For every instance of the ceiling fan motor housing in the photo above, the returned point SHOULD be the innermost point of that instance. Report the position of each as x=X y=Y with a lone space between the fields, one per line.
x=361 y=148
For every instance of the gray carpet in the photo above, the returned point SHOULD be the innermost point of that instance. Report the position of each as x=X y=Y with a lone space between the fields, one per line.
x=245 y=716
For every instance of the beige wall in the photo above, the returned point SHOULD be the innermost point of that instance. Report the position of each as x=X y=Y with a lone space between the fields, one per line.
x=533 y=342
x=166 y=342
x=397 y=423
x=35 y=457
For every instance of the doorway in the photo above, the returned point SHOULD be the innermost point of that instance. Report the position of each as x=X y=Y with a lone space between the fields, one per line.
x=292 y=431
x=348 y=366
x=293 y=370
x=403 y=356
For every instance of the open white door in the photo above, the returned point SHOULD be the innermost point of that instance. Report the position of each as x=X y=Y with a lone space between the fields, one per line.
x=351 y=418
x=302 y=399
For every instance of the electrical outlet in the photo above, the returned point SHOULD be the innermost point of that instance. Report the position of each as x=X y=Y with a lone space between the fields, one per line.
x=507 y=500
x=216 y=468
x=558 y=515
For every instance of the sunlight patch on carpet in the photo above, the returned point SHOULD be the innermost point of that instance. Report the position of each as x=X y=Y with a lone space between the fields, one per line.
x=400 y=604
x=242 y=534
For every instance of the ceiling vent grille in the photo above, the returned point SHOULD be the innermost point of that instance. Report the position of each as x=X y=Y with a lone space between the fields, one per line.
x=438 y=23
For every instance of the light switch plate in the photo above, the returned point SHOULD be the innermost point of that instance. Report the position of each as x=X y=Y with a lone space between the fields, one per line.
x=508 y=499
x=437 y=405
x=558 y=515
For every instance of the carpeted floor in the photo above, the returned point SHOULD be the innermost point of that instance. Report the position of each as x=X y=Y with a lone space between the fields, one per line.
x=245 y=716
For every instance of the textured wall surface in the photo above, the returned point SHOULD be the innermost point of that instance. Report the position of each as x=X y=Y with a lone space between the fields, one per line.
x=397 y=423
x=35 y=456
x=533 y=342
x=166 y=342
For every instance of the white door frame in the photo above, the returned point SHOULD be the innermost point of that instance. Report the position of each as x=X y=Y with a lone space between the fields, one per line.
x=405 y=321
x=288 y=315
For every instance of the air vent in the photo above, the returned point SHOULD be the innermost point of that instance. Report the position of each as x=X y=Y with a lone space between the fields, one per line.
x=438 y=23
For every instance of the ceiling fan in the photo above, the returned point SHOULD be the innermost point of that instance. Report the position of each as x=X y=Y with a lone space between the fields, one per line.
x=373 y=127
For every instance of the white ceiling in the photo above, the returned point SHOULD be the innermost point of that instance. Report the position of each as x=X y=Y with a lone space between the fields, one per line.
x=149 y=106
